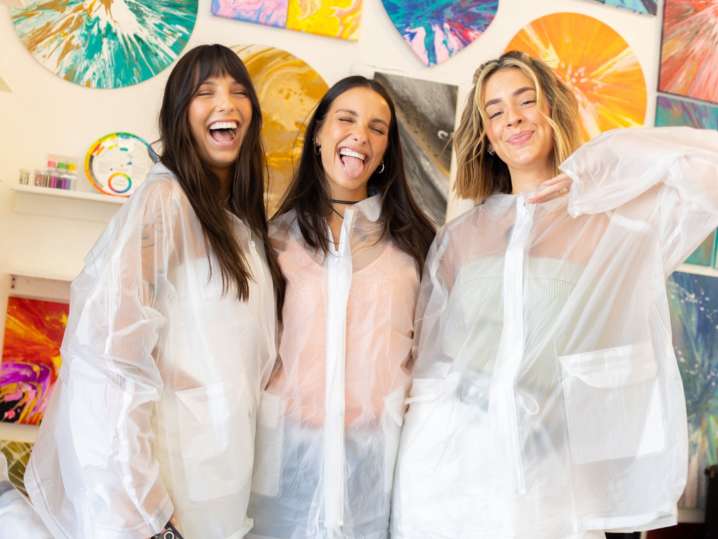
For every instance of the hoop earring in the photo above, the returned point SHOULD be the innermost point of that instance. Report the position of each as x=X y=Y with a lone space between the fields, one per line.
x=381 y=169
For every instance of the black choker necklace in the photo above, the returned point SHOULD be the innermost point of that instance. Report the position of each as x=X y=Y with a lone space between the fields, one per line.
x=348 y=202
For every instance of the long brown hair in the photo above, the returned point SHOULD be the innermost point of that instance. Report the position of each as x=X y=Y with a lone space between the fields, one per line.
x=200 y=184
x=480 y=173
x=308 y=194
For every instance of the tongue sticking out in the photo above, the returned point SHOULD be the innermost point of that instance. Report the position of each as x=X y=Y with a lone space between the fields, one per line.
x=352 y=165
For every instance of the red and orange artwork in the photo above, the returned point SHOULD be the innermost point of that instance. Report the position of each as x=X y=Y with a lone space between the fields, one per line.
x=31 y=358
x=595 y=62
x=689 y=50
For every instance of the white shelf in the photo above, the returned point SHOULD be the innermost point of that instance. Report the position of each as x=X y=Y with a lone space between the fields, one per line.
x=64 y=193
x=18 y=433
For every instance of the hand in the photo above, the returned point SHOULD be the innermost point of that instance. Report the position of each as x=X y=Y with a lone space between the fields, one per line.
x=556 y=187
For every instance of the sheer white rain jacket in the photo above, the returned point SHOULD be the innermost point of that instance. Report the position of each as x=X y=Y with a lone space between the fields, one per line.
x=17 y=517
x=329 y=424
x=153 y=414
x=547 y=400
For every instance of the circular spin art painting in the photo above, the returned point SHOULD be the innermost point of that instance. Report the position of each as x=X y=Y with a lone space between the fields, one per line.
x=288 y=90
x=595 y=62
x=105 y=43
x=118 y=163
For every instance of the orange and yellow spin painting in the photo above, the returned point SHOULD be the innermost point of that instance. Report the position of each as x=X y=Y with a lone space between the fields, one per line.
x=31 y=358
x=595 y=62
x=288 y=90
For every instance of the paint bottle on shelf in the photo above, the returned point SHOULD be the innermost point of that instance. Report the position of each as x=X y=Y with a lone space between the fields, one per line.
x=24 y=178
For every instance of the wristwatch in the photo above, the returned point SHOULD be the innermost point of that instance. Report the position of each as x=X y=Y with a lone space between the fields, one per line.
x=170 y=532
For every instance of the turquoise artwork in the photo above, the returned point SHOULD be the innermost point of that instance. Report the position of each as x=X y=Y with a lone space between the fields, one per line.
x=676 y=111
x=438 y=29
x=693 y=301
x=648 y=7
x=107 y=43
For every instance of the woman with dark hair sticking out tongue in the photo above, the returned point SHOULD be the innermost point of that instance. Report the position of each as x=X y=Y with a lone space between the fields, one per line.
x=351 y=242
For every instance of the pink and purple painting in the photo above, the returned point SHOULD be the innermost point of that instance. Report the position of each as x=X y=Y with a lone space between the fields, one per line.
x=438 y=29
x=689 y=49
x=332 y=18
x=31 y=358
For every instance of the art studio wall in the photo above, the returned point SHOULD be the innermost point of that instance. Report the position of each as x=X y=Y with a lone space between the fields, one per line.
x=61 y=105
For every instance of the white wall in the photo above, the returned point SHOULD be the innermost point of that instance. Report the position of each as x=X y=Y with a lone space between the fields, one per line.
x=45 y=114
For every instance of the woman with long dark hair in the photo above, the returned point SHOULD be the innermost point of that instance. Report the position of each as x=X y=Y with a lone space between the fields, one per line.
x=171 y=332
x=351 y=242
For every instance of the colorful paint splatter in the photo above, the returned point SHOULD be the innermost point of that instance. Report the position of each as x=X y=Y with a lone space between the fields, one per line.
x=595 y=62
x=118 y=163
x=105 y=43
x=648 y=7
x=676 y=111
x=694 y=319
x=289 y=90
x=438 y=29
x=17 y=455
x=333 y=18
x=426 y=112
x=31 y=358
x=689 y=50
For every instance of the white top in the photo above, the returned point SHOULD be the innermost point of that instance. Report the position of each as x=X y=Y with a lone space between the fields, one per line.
x=547 y=400
x=153 y=414
x=330 y=421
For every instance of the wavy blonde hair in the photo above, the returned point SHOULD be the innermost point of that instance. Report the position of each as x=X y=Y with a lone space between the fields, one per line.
x=481 y=174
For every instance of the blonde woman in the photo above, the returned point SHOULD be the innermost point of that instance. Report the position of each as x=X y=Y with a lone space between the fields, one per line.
x=547 y=402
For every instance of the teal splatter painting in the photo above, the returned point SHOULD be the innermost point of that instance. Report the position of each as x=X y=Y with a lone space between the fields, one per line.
x=438 y=29
x=676 y=111
x=105 y=43
x=647 y=7
x=693 y=301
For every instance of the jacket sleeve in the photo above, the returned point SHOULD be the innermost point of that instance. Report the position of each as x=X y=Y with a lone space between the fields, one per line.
x=17 y=518
x=93 y=474
x=675 y=167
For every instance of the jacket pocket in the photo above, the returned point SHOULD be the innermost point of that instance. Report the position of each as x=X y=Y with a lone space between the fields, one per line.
x=216 y=427
x=269 y=446
x=613 y=403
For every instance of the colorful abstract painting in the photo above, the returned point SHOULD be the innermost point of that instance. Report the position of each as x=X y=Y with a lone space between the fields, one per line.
x=689 y=49
x=676 y=111
x=105 y=43
x=333 y=18
x=595 y=62
x=693 y=303
x=289 y=90
x=31 y=358
x=17 y=455
x=116 y=164
x=438 y=29
x=426 y=112
x=648 y=7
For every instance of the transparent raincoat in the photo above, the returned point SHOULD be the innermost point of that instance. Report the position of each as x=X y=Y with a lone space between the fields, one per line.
x=153 y=414
x=547 y=400
x=17 y=517
x=329 y=423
